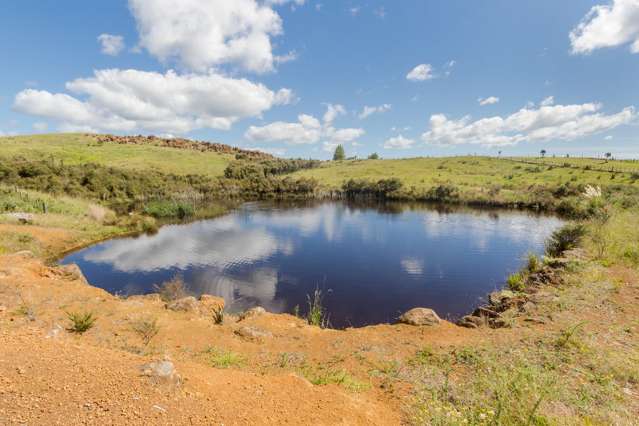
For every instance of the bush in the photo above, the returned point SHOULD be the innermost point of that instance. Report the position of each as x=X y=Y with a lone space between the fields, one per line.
x=169 y=209
x=173 y=289
x=516 y=282
x=564 y=239
x=383 y=188
x=147 y=329
x=442 y=193
x=81 y=322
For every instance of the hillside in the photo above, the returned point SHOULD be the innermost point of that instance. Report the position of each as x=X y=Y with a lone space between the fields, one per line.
x=126 y=154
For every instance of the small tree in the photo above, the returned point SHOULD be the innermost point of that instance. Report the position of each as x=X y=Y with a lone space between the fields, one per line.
x=543 y=153
x=339 y=153
x=608 y=155
x=373 y=156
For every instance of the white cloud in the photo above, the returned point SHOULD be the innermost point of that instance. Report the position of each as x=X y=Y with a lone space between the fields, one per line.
x=354 y=11
x=488 y=101
x=201 y=34
x=380 y=12
x=111 y=44
x=130 y=100
x=608 y=26
x=550 y=100
x=370 y=110
x=608 y=138
x=421 y=72
x=307 y=130
x=399 y=142
x=332 y=112
x=550 y=122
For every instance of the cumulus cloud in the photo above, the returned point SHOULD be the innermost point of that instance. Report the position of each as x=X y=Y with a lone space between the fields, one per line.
x=399 y=142
x=111 y=44
x=370 y=110
x=421 y=72
x=488 y=101
x=608 y=25
x=131 y=100
x=546 y=122
x=200 y=34
x=307 y=130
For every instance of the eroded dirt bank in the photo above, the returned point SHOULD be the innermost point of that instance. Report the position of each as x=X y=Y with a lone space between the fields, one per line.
x=264 y=369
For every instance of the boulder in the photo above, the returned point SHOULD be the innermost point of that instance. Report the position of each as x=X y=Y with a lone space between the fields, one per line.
x=73 y=272
x=420 y=316
x=185 y=304
x=498 y=298
x=253 y=312
x=471 y=321
x=252 y=333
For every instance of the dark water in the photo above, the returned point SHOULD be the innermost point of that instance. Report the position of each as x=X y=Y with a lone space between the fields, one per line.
x=371 y=262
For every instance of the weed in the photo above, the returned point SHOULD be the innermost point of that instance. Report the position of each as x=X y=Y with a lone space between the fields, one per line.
x=533 y=264
x=516 y=282
x=220 y=358
x=316 y=314
x=173 y=289
x=146 y=328
x=81 y=321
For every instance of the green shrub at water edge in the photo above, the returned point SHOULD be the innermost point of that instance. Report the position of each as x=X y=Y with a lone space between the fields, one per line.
x=165 y=209
x=565 y=238
x=516 y=282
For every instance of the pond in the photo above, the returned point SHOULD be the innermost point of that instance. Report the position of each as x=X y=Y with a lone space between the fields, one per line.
x=372 y=262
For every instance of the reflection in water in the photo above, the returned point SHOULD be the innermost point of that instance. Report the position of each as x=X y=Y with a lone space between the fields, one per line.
x=376 y=260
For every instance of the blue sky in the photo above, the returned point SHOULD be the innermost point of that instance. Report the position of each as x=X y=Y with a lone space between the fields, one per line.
x=560 y=76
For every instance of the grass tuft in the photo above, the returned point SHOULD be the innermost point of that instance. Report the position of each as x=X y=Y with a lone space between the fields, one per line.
x=81 y=322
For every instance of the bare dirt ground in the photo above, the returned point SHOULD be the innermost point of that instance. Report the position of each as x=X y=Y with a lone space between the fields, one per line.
x=282 y=372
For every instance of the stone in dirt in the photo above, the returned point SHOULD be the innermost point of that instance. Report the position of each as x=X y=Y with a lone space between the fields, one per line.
x=420 y=316
x=73 y=272
x=162 y=370
x=55 y=332
x=253 y=312
x=252 y=333
x=185 y=304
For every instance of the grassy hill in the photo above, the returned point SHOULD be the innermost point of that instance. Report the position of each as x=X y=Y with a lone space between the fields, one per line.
x=479 y=172
x=76 y=149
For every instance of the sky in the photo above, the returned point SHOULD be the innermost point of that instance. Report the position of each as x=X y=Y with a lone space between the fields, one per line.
x=298 y=77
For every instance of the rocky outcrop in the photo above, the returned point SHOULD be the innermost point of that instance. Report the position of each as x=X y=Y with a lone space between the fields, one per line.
x=180 y=143
x=251 y=313
x=419 y=317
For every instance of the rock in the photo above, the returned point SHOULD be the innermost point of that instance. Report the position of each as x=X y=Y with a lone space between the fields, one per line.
x=55 y=332
x=253 y=312
x=73 y=272
x=498 y=298
x=471 y=321
x=160 y=370
x=211 y=305
x=185 y=304
x=25 y=253
x=252 y=333
x=23 y=218
x=420 y=316
x=528 y=307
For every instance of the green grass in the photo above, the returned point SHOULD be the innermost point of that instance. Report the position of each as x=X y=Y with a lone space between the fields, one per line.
x=505 y=178
x=76 y=149
x=81 y=322
x=220 y=358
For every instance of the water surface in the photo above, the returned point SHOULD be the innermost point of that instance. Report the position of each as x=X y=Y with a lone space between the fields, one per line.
x=372 y=262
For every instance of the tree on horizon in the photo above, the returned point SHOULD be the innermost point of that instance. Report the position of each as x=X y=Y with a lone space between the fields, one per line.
x=339 y=153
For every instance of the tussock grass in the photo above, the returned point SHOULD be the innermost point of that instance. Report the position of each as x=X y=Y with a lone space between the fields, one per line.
x=173 y=289
x=81 y=322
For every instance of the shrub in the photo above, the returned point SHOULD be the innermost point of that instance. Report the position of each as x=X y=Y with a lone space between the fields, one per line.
x=81 y=322
x=373 y=156
x=173 y=289
x=566 y=238
x=534 y=264
x=147 y=329
x=443 y=192
x=166 y=209
x=516 y=282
